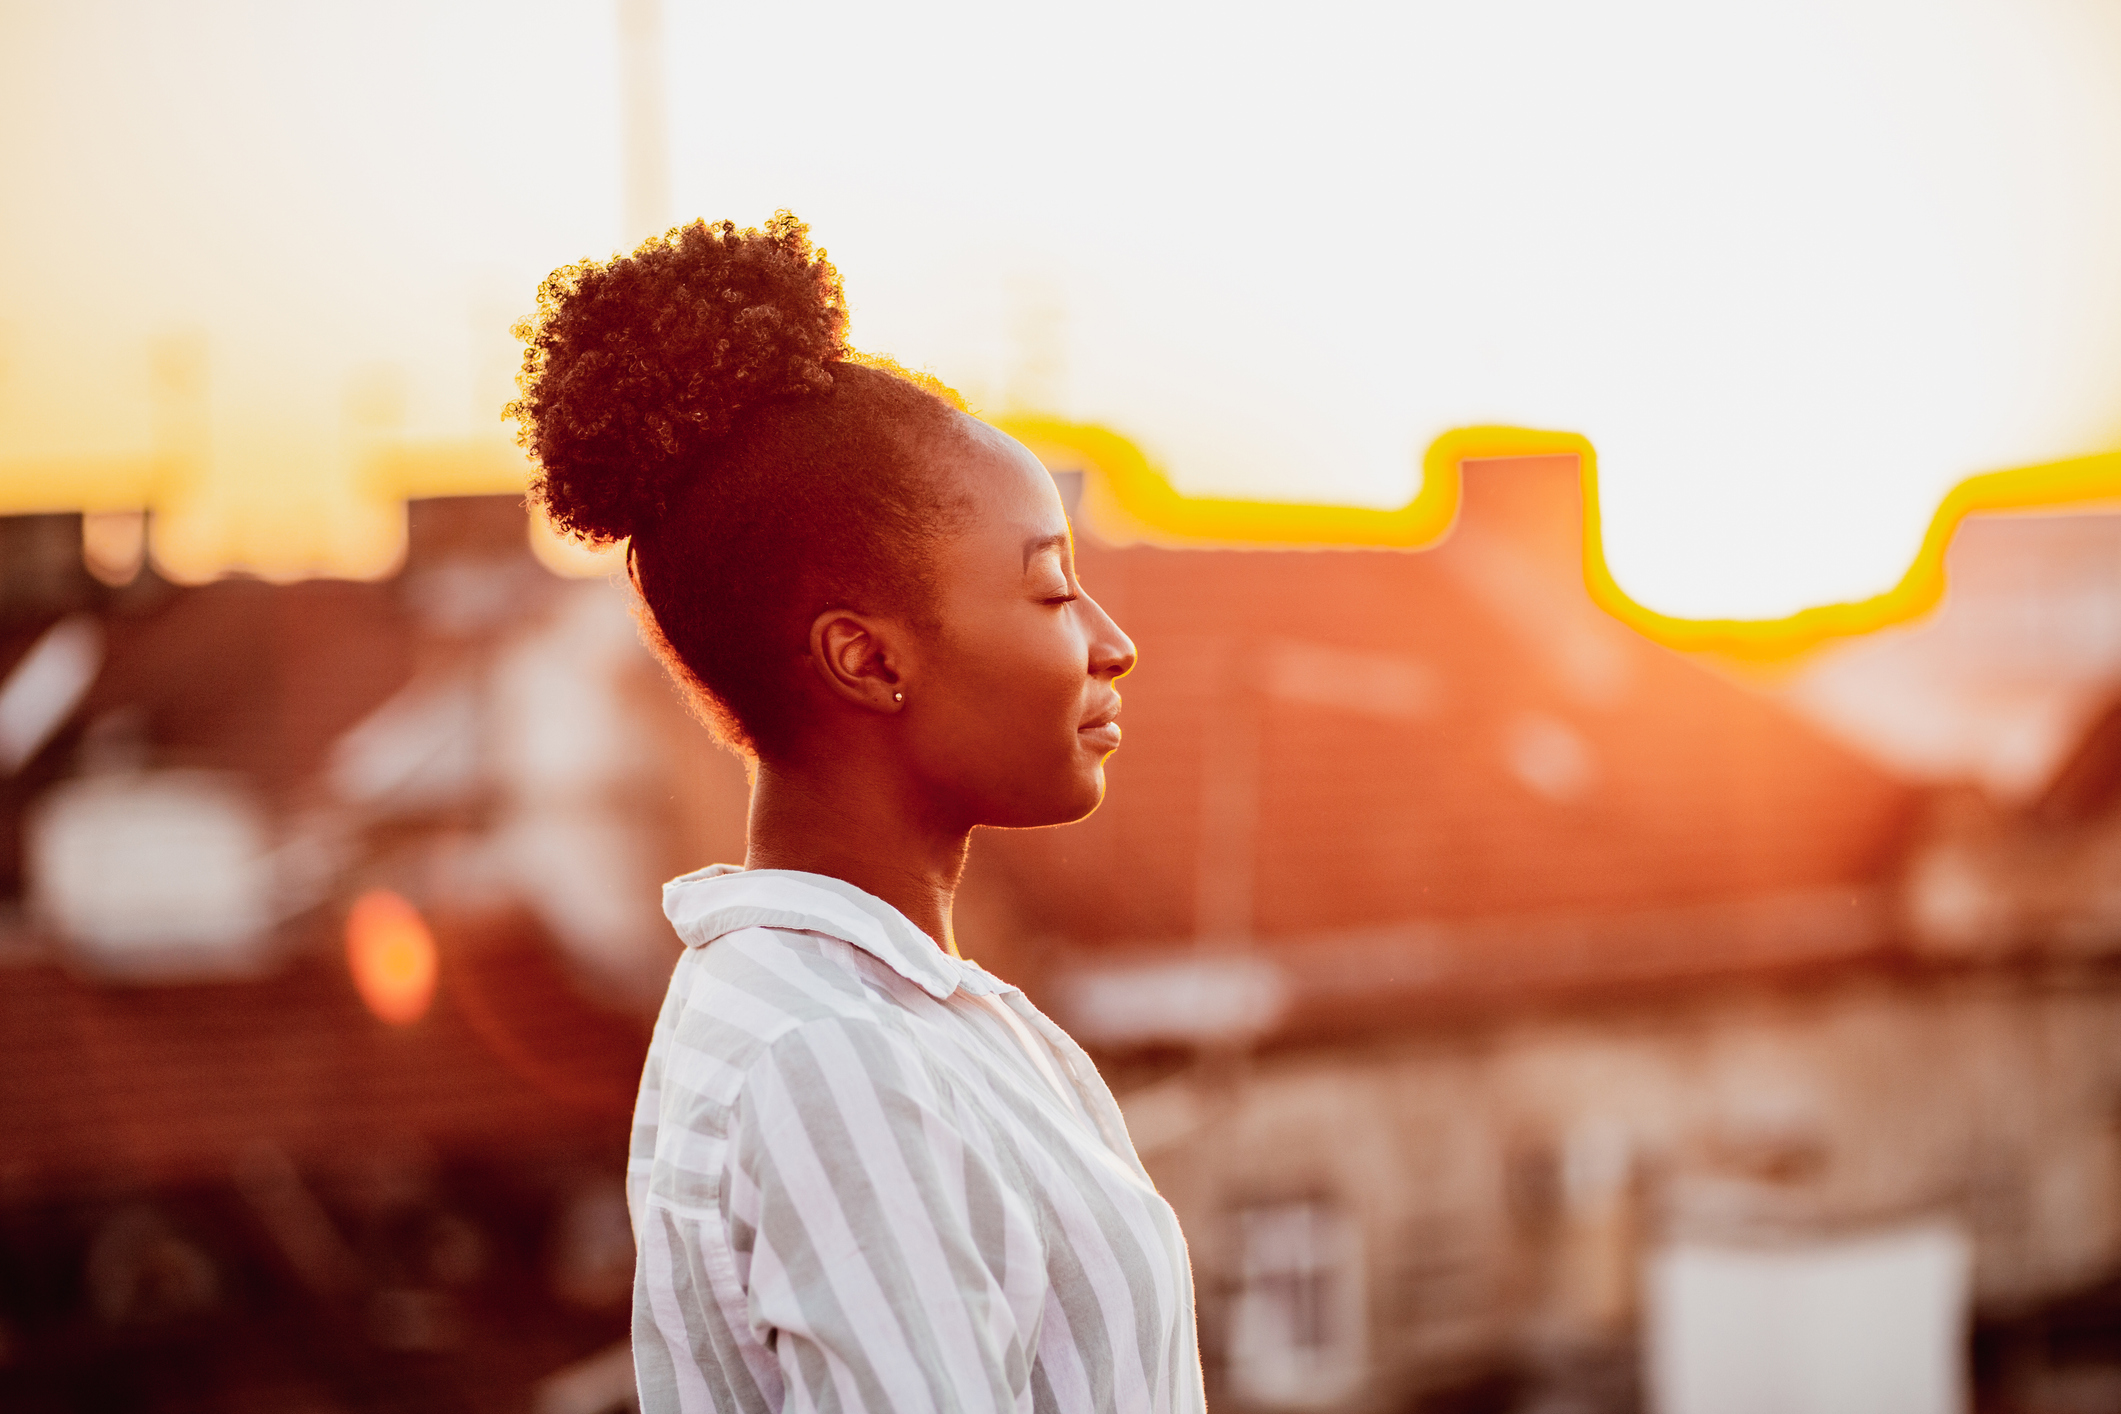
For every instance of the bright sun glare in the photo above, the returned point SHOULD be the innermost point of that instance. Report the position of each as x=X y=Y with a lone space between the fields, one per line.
x=1793 y=268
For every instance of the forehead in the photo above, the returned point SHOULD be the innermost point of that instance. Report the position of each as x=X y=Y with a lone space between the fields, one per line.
x=1009 y=489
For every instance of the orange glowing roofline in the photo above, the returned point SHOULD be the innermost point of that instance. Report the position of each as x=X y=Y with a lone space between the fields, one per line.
x=1127 y=499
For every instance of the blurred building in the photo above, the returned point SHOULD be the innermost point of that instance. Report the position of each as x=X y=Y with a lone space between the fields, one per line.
x=1505 y=1000
x=231 y=1170
x=1999 y=685
x=1520 y=1015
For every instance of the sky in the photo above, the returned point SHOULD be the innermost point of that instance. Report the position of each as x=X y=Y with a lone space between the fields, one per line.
x=1794 y=268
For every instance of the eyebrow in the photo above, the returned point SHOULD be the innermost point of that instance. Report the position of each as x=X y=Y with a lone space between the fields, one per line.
x=1044 y=542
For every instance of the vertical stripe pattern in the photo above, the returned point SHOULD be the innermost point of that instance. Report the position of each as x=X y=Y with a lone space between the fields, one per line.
x=869 y=1177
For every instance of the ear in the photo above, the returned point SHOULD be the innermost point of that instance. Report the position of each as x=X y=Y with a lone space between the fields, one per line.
x=859 y=657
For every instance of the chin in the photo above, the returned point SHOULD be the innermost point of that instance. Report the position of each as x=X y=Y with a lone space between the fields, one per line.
x=1065 y=805
x=1088 y=796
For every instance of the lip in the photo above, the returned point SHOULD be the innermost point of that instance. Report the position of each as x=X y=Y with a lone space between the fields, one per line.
x=1103 y=735
x=1101 y=730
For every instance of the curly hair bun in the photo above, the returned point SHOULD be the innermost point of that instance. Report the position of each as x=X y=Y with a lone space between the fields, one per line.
x=635 y=368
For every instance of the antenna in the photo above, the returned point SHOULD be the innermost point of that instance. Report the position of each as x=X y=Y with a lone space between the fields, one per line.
x=645 y=125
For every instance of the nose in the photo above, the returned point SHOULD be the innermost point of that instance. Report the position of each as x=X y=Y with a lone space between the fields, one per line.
x=1112 y=653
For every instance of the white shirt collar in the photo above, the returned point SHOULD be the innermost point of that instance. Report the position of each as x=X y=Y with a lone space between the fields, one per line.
x=722 y=898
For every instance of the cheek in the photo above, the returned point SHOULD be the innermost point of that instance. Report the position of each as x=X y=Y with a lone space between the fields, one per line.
x=1003 y=738
x=1024 y=689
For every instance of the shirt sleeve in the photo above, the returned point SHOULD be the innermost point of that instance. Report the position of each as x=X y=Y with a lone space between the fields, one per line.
x=891 y=1266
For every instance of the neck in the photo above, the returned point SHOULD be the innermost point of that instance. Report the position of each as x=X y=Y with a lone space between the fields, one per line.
x=857 y=826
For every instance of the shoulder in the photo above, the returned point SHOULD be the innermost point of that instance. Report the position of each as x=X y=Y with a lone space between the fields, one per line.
x=737 y=998
x=772 y=1009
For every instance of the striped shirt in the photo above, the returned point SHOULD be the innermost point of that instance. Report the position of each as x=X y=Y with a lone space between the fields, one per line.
x=868 y=1176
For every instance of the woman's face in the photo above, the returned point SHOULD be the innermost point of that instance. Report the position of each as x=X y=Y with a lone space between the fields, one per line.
x=1010 y=700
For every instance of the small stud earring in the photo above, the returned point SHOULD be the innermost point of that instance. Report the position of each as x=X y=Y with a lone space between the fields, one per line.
x=898 y=697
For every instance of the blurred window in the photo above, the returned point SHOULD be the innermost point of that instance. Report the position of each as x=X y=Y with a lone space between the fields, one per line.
x=1872 y=1322
x=42 y=690
x=1297 y=1326
x=155 y=876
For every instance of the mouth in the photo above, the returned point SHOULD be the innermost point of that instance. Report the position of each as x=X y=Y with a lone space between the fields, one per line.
x=1101 y=730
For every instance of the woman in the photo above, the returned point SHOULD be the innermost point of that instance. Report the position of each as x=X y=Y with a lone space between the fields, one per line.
x=866 y=1175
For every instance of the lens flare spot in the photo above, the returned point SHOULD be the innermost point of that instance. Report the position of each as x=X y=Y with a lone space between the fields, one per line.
x=391 y=954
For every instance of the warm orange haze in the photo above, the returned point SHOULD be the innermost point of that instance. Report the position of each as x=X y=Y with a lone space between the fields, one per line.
x=1609 y=898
